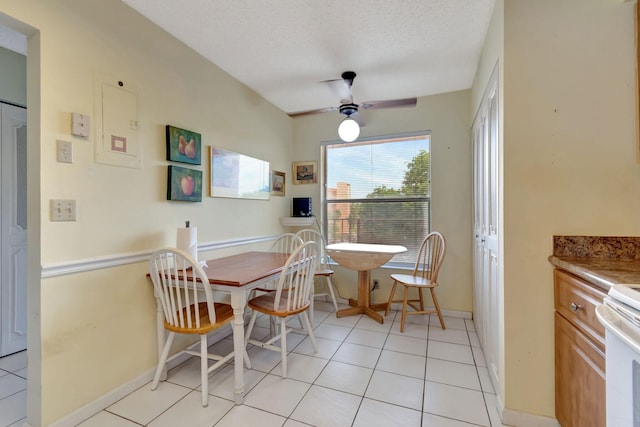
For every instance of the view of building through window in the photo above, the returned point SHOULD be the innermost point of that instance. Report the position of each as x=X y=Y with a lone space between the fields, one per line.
x=379 y=191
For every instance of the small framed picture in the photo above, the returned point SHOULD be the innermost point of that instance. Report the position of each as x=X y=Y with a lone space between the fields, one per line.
x=305 y=172
x=183 y=145
x=184 y=184
x=277 y=183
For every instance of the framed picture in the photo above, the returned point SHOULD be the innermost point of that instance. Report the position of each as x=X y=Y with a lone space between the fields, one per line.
x=305 y=172
x=183 y=145
x=239 y=176
x=277 y=183
x=184 y=184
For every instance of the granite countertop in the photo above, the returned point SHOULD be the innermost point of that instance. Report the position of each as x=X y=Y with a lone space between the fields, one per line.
x=604 y=261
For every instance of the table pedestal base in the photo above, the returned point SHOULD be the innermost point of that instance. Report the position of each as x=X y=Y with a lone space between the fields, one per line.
x=361 y=306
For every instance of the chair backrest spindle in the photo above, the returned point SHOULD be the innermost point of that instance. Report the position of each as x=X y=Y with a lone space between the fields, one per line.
x=311 y=235
x=296 y=280
x=286 y=243
x=430 y=256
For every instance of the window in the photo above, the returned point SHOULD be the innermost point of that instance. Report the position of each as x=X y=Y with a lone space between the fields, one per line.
x=379 y=191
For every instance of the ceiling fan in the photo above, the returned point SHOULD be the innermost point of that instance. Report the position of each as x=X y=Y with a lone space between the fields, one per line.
x=350 y=109
x=349 y=129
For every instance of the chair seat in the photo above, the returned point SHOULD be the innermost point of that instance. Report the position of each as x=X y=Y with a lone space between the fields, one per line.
x=264 y=304
x=417 y=281
x=224 y=313
x=263 y=289
x=325 y=272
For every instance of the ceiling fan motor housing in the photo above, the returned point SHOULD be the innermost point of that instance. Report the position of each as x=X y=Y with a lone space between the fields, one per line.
x=348 y=109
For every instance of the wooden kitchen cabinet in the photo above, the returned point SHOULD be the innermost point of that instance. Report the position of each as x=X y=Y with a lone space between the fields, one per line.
x=579 y=353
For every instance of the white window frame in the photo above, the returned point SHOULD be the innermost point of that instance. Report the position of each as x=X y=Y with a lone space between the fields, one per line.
x=402 y=264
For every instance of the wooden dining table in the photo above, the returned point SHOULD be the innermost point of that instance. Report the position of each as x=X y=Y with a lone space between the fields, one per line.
x=363 y=257
x=236 y=274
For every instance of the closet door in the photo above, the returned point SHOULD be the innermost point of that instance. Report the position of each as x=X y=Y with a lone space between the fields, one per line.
x=486 y=209
x=13 y=229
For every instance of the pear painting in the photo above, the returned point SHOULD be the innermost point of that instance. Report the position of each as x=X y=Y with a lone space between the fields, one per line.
x=183 y=145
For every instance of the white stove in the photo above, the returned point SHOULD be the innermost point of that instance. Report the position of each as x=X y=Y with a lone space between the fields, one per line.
x=620 y=315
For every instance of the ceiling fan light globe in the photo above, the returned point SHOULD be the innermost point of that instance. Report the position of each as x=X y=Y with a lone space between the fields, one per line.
x=349 y=130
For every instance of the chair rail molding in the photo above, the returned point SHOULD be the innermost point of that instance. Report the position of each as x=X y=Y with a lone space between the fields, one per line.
x=115 y=260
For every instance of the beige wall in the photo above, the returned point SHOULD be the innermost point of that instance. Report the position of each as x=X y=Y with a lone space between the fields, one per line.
x=569 y=162
x=447 y=117
x=13 y=80
x=569 y=168
x=97 y=326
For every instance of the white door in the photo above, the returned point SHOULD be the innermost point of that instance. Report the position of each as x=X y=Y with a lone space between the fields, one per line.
x=13 y=229
x=486 y=268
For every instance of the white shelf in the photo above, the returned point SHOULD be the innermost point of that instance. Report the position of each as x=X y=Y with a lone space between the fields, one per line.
x=296 y=221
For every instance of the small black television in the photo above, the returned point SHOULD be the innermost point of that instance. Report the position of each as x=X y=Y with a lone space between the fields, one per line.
x=301 y=206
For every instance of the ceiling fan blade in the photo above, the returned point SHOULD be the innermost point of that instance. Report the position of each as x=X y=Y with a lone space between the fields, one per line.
x=391 y=103
x=341 y=89
x=320 y=110
x=358 y=118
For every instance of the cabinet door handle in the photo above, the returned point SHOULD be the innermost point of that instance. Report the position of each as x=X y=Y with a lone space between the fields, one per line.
x=575 y=307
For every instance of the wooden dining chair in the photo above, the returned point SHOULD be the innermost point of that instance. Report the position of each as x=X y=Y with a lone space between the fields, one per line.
x=291 y=298
x=285 y=243
x=424 y=276
x=323 y=271
x=187 y=302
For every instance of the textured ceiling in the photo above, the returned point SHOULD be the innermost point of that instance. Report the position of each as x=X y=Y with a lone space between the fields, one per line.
x=284 y=49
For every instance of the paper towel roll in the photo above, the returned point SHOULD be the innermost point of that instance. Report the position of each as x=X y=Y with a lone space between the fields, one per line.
x=187 y=240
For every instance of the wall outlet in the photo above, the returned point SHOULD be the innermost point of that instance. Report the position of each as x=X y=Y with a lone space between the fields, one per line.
x=63 y=210
x=376 y=284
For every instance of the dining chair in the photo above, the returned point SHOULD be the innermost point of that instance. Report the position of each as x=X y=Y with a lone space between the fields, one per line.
x=323 y=271
x=291 y=298
x=189 y=308
x=424 y=276
x=285 y=243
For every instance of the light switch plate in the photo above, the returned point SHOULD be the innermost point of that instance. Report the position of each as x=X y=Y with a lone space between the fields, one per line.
x=80 y=124
x=64 y=151
x=63 y=210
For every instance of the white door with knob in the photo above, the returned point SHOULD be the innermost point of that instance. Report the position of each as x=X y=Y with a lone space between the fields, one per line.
x=13 y=229
x=486 y=260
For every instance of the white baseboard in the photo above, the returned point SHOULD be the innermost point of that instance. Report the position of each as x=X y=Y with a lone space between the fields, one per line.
x=522 y=419
x=108 y=399
x=448 y=313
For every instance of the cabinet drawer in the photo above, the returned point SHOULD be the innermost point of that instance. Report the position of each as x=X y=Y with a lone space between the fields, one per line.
x=576 y=301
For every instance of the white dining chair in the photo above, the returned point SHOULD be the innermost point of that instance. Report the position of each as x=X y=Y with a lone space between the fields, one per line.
x=285 y=243
x=291 y=297
x=187 y=302
x=323 y=271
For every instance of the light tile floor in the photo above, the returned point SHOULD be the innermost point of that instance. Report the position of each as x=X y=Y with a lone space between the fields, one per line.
x=13 y=389
x=364 y=374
